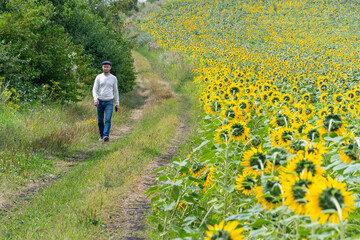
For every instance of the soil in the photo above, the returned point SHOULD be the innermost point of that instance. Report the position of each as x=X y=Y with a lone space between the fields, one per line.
x=128 y=219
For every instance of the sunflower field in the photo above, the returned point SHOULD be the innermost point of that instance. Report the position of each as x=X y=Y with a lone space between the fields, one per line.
x=277 y=155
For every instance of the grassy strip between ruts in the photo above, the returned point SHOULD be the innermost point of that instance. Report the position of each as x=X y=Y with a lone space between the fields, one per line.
x=76 y=206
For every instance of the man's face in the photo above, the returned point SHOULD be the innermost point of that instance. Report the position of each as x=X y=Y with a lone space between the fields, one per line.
x=106 y=68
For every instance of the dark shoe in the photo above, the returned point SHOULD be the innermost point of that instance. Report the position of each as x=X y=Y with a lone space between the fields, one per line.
x=106 y=139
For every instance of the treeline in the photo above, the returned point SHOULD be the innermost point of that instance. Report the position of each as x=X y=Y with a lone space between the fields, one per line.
x=52 y=49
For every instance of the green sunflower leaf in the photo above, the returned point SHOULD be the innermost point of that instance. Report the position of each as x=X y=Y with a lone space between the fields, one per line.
x=352 y=168
x=188 y=220
x=169 y=207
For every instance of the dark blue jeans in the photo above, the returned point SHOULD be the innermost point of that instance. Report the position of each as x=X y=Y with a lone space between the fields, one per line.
x=104 y=108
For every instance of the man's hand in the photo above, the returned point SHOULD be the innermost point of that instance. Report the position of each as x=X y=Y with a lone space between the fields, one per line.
x=116 y=108
x=96 y=103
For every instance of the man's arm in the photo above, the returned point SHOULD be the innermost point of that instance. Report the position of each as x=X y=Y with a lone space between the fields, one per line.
x=116 y=94
x=95 y=92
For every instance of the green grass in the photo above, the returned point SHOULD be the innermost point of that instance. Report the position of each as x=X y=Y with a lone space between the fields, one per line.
x=78 y=205
x=73 y=207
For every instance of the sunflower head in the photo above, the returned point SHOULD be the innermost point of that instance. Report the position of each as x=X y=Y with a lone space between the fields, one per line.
x=197 y=168
x=313 y=133
x=269 y=194
x=306 y=97
x=222 y=231
x=299 y=190
x=338 y=98
x=239 y=131
x=329 y=201
x=258 y=160
x=296 y=145
x=332 y=122
x=278 y=155
x=246 y=184
x=282 y=120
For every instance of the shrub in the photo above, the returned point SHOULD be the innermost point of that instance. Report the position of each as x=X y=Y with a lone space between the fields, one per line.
x=38 y=57
x=99 y=41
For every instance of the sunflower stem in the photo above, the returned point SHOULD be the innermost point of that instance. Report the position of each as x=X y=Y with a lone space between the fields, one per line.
x=339 y=210
x=330 y=123
x=274 y=161
x=297 y=229
x=226 y=177
x=262 y=167
x=285 y=121
x=202 y=222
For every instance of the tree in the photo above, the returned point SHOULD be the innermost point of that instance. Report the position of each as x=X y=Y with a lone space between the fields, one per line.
x=38 y=56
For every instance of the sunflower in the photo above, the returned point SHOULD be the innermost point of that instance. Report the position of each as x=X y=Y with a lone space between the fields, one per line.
x=246 y=184
x=269 y=194
x=239 y=131
x=264 y=97
x=338 y=98
x=350 y=94
x=306 y=97
x=259 y=110
x=244 y=105
x=296 y=145
x=322 y=112
x=332 y=108
x=329 y=201
x=332 y=123
x=207 y=178
x=182 y=206
x=197 y=168
x=228 y=231
x=309 y=111
x=352 y=109
x=323 y=97
x=295 y=188
x=343 y=108
x=323 y=87
x=234 y=89
x=316 y=148
x=274 y=100
x=349 y=152
x=281 y=120
x=287 y=98
x=281 y=137
x=223 y=134
x=255 y=162
x=348 y=156
x=228 y=113
x=294 y=90
x=213 y=106
x=313 y=133
x=304 y=161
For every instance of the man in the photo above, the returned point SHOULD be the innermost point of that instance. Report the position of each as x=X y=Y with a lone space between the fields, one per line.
x=105 y=92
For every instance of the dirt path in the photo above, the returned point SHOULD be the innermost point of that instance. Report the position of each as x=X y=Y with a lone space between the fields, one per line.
x=128 y=219
x=22 y=195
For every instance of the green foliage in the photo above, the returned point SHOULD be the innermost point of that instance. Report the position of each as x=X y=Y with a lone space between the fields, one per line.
x=125 y=6
x=38 y=57
x=99 y=41
x=53 y=48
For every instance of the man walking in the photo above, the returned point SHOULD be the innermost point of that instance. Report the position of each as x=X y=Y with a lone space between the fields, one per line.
x=105 y=92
